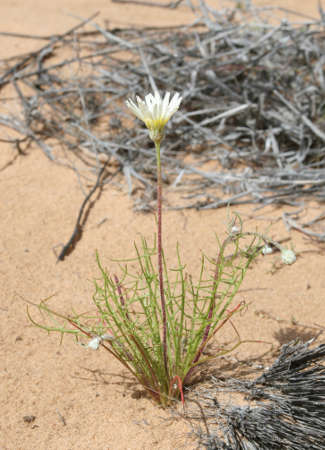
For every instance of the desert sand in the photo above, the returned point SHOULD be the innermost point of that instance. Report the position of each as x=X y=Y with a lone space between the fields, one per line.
x=82 y=399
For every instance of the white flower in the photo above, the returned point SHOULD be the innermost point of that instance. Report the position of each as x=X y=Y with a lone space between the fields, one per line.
x=155 y=112
x=288 y=256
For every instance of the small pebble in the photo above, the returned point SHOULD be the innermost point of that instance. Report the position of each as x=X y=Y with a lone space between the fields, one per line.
x=29 y=419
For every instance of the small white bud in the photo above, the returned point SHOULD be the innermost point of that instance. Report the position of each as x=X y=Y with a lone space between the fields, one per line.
x=288 y=256
x=94 y=343
x=267 y=250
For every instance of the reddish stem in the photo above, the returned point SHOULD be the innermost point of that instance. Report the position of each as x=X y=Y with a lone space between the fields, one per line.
x=160 y=260
x=180 y=387
x=120 y=293
x=204 y=342
x=212 y=302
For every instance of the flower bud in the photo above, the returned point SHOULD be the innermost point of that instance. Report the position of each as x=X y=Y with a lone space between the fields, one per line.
x=267 y=250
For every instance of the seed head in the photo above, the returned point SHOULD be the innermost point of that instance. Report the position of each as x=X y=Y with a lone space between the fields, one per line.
x=288 y=256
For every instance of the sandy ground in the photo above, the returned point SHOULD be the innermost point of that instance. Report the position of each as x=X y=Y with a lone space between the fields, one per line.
x=83 y=399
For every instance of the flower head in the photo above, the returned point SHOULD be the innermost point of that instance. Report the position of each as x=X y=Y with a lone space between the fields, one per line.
x=155 y=112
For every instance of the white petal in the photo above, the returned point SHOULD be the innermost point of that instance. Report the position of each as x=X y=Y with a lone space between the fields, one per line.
x=139 y=100
x=150 y=101
x=156 y=111
x=134 y=108
x=157 y=97
x=176 y=101
x=165 y=105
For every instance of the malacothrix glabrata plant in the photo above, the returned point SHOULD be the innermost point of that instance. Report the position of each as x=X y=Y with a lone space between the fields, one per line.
x=158 y=321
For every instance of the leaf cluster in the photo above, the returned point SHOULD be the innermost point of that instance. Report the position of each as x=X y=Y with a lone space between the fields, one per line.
x=127 y=320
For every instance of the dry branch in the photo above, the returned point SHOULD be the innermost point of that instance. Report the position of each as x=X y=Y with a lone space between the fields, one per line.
x=253 y=105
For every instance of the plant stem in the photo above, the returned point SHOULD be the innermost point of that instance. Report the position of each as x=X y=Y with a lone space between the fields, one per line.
x=160 y=261
x=212 y=303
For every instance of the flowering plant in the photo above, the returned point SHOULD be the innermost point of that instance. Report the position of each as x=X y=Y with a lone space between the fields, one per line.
x=158 y=322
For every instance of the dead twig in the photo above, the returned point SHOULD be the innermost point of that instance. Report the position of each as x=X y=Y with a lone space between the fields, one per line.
x=76 y=235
